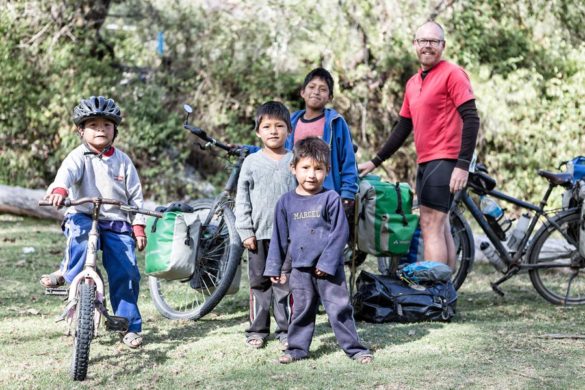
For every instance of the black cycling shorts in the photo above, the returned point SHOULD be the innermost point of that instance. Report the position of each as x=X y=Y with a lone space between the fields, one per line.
x=432 y=184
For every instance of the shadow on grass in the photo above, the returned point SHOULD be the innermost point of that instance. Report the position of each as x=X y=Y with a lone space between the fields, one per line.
x=373 y=336
x=164 y=340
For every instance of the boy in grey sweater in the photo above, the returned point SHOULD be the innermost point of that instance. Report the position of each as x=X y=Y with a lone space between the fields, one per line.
x=264 y=177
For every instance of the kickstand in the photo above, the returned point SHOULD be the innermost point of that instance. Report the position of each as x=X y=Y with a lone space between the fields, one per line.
x=569 y=288
x=512 y=270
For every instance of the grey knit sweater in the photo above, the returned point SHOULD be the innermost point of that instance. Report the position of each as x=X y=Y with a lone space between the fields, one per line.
x=83 y=174
x=262 y=181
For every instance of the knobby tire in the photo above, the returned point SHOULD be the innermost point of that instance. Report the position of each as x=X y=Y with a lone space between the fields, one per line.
x=83 y=331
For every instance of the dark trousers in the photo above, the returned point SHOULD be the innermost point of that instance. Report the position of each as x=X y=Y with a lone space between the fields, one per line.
x=306 y=290
x=263 y=293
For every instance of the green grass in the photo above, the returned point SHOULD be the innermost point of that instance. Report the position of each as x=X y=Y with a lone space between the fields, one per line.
x=492 y=343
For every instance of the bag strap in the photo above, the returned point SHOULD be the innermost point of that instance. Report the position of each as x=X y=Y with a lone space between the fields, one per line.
x=362 y=211
x=399 y=209
x=161 y=209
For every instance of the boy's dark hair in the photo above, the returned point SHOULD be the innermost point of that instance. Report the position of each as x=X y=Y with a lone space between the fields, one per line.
x=322 y=74
x=275 y=110
x=314 y=148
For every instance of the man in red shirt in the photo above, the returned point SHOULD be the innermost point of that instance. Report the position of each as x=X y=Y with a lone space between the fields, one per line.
x=439 y=107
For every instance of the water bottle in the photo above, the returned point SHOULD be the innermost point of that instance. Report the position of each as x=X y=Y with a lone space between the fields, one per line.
x=492 y=255
x=490 y=207
x=495 y=216
x=518 y=232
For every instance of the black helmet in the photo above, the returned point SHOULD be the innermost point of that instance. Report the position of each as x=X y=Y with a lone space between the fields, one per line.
x=97 y=107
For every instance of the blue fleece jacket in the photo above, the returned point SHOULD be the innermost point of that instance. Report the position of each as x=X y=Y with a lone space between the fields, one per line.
x=343 y=176
x=312 y=230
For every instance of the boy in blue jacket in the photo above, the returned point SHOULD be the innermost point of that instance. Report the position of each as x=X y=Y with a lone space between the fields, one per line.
x=310 y=226
x=326 y=123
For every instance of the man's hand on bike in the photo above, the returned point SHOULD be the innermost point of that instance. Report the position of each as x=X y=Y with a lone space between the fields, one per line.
x=250 y=243
x=365 y=168
x=458 y=180
x=55 y=199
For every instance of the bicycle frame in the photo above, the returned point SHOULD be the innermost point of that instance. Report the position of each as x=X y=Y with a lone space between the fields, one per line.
x=227 y=194
x=89 y=275
x=514 y=260
x=475 y=211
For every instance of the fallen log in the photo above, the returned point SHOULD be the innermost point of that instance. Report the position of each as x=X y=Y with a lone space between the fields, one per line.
x=25 y=202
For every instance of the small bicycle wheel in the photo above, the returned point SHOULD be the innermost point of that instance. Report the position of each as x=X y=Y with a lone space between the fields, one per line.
x=464 y=247
x=83 y=331
x=561 y=280
x=219 y=253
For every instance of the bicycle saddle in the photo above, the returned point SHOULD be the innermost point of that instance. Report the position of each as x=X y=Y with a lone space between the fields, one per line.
x=560 y=179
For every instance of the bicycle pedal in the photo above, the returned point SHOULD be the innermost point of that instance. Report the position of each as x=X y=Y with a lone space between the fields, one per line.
x=497 y=289
x=57 y=291
x=117 y=324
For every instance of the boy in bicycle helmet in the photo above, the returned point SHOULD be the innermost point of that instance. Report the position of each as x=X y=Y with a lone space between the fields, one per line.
x=97 y=169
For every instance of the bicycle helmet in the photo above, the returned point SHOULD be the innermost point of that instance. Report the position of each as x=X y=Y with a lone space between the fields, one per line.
x=97 y=107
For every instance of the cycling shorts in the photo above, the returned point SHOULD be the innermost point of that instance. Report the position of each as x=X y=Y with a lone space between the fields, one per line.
x=432 y=184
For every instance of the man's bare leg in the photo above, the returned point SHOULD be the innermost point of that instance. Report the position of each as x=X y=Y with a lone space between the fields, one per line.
x=451 y=252
x=435 y=227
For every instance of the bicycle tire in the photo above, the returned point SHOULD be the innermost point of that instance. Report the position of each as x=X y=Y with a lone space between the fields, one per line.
x=220 y=255
x=83 y=331
x=464 y=247
x=553 y=283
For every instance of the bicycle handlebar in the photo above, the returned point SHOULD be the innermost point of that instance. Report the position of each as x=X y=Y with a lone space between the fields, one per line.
x=113 y=202
x=203 y=135
x=233 y=151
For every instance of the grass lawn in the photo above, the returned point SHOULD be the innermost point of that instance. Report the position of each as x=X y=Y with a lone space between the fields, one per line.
x=493 y=342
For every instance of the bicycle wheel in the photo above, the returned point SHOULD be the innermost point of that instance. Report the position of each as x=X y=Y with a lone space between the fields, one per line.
x=219 y=253
x=464 y=247
x=562 y=282
x=83 y=331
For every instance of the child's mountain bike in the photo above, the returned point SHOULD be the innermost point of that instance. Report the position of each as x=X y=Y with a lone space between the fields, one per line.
x=218 y=249
x=86 y=301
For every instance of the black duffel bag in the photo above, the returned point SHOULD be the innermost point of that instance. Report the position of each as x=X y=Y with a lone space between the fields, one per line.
x=380 y=298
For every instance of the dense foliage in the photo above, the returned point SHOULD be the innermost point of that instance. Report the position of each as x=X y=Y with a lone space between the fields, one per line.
x=226 y=57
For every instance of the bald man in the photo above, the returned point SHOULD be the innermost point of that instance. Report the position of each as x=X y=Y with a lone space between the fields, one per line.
x=439 y=109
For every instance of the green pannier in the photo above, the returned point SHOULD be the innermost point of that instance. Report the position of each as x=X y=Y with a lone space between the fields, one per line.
x=385 y=221
x=171 y=245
